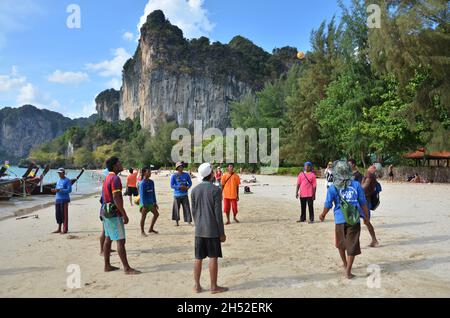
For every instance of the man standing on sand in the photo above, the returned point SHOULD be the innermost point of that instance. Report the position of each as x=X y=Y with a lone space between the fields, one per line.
x=230 y=189
x=356 y=174
x=306 y=190
x=181 y=183
x=369 y=184
x=132 y=185
x=148 y=200
x=114 y=217
x=209 y=229
x=347 y=236
x=62 y=190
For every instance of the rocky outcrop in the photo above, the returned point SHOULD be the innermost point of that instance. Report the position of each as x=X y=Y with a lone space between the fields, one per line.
x=27 y=126
x=172 y=79
x=107 y=105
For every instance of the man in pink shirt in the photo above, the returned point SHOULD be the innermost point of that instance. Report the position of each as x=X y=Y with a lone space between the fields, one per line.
x=306 y=190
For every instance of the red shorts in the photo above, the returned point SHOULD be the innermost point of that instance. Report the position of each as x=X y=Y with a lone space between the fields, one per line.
x=228 y=204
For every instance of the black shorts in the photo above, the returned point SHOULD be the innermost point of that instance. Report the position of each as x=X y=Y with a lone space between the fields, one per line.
x=131 y=191
x=207 y=247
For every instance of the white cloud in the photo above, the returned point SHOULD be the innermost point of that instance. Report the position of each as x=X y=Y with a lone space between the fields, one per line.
x=11 y=81
x=115 y=83
x=189 y=15
x=128 y=36
x=88 y=109
x=30 y=94
x=113 y=67
x=67 y=77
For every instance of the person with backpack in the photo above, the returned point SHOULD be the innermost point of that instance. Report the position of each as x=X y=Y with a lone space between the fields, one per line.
x=348 y=198
x=371 y=189
x=306 y=190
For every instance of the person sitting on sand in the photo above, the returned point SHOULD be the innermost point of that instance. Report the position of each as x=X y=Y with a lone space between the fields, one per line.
x=114 y=217
x=181 y=183
x=62 y=190
x=230 y=188
x=209 y=229
x=148 y=200
x=416 y=178
x=347 y=236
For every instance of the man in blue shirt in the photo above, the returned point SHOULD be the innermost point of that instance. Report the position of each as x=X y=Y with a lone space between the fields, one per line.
x=62 y=190
x=347 y=236
x=181 y=183
x=147 y=200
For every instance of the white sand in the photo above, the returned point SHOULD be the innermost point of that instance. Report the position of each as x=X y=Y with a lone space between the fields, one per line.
x=267 y=255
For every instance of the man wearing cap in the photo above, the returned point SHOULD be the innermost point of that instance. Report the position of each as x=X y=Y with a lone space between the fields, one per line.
x=209 y=228
x=306 y=190
x=181 y=183
x=62 y=190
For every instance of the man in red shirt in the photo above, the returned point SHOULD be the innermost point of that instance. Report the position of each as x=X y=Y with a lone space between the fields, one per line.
x=114 y=216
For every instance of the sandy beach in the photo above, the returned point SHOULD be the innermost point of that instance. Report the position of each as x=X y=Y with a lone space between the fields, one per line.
x=267 y=255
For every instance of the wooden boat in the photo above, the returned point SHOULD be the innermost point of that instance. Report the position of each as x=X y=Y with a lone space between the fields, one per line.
x=27 y=184
x=3 y=171
x=7 y=188
x=46 y=189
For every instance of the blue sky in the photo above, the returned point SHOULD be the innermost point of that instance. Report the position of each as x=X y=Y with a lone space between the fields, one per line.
x=45 y=63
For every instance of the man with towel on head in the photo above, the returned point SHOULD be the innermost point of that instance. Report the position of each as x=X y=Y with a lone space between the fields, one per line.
x=347 y=235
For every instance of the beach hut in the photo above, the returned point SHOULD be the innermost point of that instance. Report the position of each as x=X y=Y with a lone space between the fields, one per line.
x=436 y=159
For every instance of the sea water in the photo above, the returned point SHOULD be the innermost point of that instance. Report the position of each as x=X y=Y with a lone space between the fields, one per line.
x=89 y=183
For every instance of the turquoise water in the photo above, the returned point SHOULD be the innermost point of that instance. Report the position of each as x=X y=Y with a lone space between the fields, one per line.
x=89 y=183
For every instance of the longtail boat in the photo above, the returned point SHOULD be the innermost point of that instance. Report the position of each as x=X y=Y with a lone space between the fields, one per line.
x=3 y=171
x=7 y=188
x=46 y=189
x=27 y=185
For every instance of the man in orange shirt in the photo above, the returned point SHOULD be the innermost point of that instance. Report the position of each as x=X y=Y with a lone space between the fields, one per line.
x=132 y=185
x=230 y=189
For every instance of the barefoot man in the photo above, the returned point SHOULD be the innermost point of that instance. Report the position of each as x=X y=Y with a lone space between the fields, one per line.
x=369 y=184
x=148 y=200
x=230 y=188
x=62 y=190
x=347 y=236
x=209 y=229
x=114 y=216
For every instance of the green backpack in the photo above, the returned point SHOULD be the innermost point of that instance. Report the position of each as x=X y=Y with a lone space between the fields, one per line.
x=351 y=213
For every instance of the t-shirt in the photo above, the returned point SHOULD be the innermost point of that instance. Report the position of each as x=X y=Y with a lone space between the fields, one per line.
x=65 y=187
x=147 y=192
x=229 y=184
x=111 y=185
x=218 y=175
x=353 y=194
x=177 y=181
x=132 y=180
x=307 y=182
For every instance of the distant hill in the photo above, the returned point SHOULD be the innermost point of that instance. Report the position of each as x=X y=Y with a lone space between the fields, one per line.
x=24 y=127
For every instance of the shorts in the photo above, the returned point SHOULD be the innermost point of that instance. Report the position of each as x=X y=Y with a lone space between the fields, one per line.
x=132 y=191
x=207 y=247
x=148 y=207
x=391 y=174
x=114 y=228
x=228 y=204
x=347 y=237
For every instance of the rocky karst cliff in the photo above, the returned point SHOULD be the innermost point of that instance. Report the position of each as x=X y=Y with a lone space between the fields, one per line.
x=171 y=78
x=107 y=105
x=27 y=126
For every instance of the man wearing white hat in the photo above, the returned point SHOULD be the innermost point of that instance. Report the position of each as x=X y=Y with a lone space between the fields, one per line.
x=209 y=229
x=62 y=190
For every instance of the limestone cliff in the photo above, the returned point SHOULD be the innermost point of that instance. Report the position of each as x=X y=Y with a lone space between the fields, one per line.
x=171 y=78
x=107 y=105
x=27 y=126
